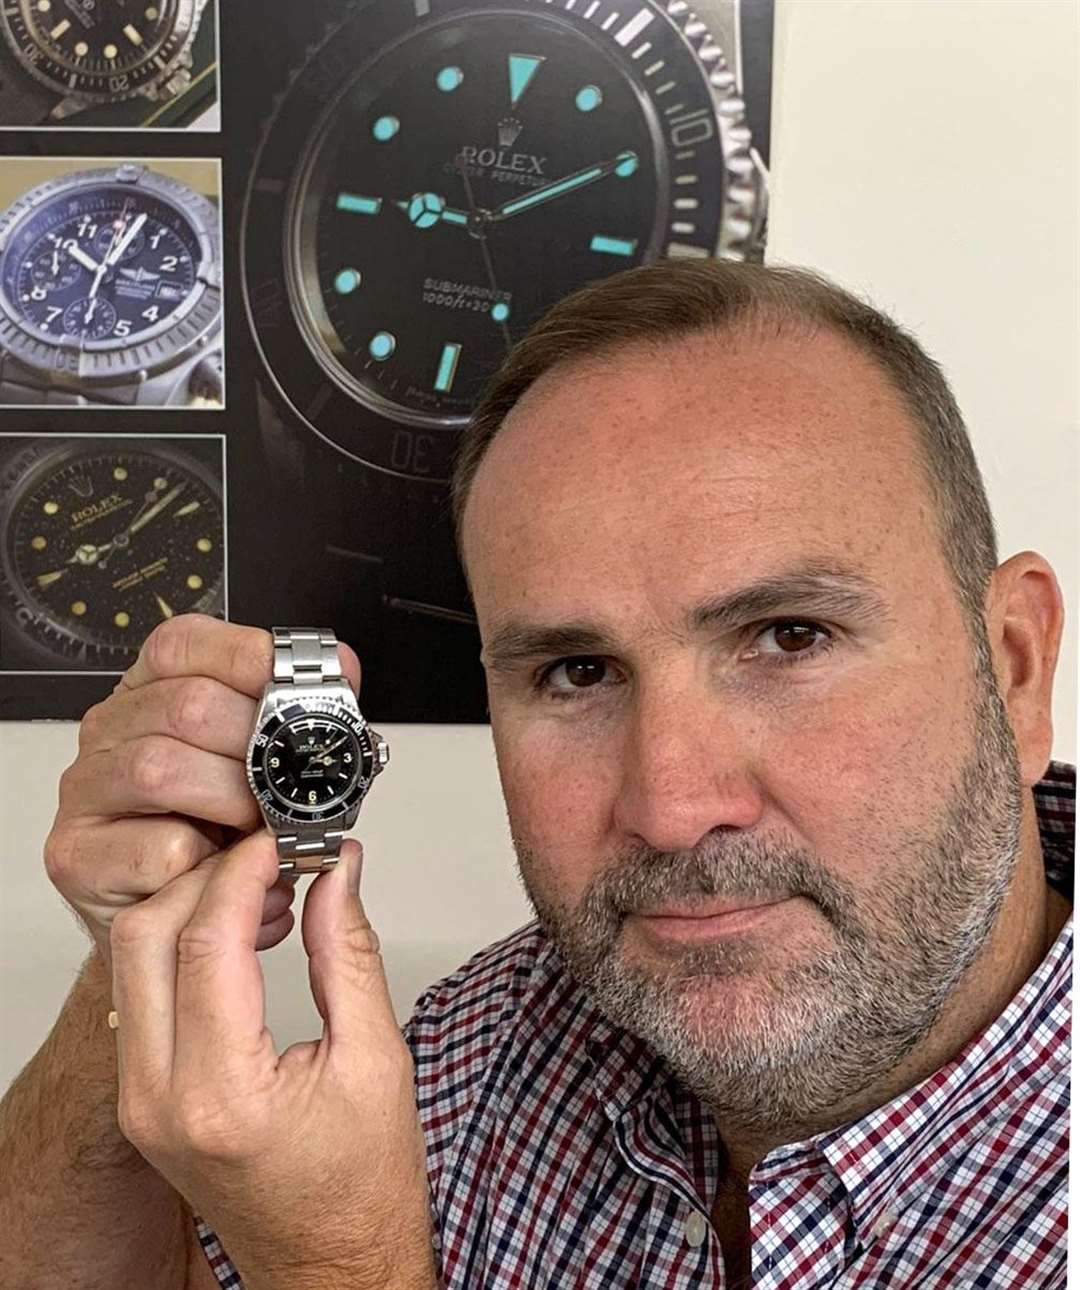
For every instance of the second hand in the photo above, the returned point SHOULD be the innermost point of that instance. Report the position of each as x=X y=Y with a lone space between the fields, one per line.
x=482 y=239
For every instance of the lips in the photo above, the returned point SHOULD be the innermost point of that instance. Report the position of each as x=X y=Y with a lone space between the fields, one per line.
x=711 y=909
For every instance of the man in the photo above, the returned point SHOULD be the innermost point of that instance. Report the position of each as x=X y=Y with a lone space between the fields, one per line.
x=768 y=718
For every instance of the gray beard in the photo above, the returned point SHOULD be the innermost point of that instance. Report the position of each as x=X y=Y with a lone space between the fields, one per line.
x=814 y=1035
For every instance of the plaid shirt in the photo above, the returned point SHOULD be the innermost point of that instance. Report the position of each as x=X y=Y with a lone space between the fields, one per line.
x=563 y=1153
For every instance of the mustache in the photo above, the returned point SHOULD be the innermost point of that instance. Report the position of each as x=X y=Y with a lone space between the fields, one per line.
x=720 y=867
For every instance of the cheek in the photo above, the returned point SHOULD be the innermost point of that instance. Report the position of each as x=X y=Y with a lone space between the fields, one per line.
x=559 y=790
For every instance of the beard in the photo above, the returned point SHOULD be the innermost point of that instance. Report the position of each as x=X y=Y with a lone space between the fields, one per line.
x=792 y=1042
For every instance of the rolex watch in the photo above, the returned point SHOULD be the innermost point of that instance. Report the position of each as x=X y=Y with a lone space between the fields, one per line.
x=110 y=292
x=312 y=756
x=58 y=59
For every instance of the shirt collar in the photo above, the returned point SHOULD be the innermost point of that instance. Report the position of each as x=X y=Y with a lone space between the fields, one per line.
x=941 y=1117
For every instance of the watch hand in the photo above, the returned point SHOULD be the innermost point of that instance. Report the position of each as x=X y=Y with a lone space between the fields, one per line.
x=121 y=246
x=623 y=165
x=93 y=306
x=156 y=510
x=478 y=228
x=425 y=210
x=79 y=255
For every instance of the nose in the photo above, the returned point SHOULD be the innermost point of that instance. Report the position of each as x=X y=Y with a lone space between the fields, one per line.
x=687 y=768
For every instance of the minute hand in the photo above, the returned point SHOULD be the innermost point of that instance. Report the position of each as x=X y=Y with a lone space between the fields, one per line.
x=624 y=164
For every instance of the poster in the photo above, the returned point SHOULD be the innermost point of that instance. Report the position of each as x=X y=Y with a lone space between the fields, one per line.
x=256 y=264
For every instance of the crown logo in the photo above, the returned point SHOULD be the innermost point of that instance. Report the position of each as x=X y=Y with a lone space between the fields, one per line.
x=81 y=486
x=509 y=129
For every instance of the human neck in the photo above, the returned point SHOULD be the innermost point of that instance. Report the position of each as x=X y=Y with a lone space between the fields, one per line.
x=1029 y=922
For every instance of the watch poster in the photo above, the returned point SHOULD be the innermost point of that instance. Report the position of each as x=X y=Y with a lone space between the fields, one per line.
x=257 y=261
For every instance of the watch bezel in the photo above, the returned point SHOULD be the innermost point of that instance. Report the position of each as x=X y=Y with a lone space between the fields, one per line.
x=281 y=814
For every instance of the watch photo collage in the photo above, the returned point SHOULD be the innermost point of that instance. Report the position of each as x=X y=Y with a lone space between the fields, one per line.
x=110 y=303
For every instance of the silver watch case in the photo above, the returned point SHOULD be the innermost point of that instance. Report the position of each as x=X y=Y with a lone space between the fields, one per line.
x=282 y=703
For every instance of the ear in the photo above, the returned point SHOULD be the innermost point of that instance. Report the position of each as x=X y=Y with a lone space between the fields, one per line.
x=1024 y=618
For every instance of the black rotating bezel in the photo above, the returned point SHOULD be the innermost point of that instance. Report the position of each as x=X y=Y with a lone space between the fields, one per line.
x=277 y=807
x=107 y=85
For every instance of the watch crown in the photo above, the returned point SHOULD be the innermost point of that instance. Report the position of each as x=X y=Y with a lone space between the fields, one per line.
x=382 y=754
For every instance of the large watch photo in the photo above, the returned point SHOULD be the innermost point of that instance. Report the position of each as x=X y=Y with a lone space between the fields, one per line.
x=431 y=179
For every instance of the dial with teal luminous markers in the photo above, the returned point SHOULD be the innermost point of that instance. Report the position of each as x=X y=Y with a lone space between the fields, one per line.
x=480 y=160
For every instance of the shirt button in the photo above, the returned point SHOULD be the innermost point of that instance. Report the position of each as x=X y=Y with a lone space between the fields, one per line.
x=696 y=1229
x=886 y=1222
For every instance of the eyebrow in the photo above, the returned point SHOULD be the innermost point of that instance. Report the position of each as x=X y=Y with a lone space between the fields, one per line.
x=833 y=590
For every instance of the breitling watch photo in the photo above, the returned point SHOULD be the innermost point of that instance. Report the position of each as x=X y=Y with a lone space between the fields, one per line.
x=312 y=757
x=110 y=292
x=60 y=57
x=102 y=538
x=433 y=179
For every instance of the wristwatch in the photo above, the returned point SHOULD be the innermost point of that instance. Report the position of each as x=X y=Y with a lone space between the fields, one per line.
x=312 y=757
x=110 y=292
x=432 y=179
x=60 y=59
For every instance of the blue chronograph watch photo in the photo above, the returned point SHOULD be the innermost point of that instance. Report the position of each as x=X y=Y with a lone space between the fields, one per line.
x=110 y=292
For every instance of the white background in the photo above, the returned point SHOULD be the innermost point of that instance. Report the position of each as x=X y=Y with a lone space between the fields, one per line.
x=925 y=153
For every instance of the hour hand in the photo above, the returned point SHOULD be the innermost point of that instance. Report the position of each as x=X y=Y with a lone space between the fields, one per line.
x=623 y=166
x=425 y=210
x=79 y=255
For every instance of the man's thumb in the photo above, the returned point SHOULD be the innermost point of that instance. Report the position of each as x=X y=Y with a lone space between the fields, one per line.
x=345 y=965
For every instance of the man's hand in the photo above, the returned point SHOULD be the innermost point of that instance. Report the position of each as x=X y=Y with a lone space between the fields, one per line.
x=159 y=783
x=309 y=1165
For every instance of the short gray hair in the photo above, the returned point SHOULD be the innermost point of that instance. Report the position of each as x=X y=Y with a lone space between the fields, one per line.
x=657 y=303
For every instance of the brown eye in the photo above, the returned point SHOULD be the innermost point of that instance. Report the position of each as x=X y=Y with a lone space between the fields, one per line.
x=580 y=673
x=793 y=638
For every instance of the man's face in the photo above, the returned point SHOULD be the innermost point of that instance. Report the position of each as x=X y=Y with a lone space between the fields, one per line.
x=729 y=675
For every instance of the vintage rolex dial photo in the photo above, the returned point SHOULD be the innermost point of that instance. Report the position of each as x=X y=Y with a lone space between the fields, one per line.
x=120 y=64
x=103 y=538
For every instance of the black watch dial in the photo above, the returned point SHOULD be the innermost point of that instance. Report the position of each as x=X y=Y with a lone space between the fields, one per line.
x=109 y=263
x=312 y=763
x=100 y=545
x=105 y=48
x=470 y=163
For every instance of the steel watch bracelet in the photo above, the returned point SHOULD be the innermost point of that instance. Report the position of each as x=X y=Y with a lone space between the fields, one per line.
x=307 y=656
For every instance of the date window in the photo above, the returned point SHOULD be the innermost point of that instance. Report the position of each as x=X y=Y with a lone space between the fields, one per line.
x=170 y=291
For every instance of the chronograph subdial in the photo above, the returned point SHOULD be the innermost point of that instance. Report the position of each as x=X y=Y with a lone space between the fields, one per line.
x=91 y=316
x=54 y=270
x=101 y=542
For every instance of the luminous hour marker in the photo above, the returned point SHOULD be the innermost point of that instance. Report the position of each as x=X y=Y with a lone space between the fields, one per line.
x=449 y=79
x=346 y=281
x=186 y=510
x=44 y=6
x=121 y=619
x=132 y=33
x=588 y=98
x=38 y=543
x=79 y=608
x=165 y=607
x=50 y=508
x=500 y=311
x=119 y=473
x=110 y=51
x=382 y=345
x=194 y=581
x=161 y=483
x=204 y=545
x=385 y=128
x=447 y=367
x=59 y=29
x=82 y=49
x=47 y=579
x=686 y=250
x=523 y=68
x=151 y=14
x=613 y=245
x=358 y=205
x=634 y=27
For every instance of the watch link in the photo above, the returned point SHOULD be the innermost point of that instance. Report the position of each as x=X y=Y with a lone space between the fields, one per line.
x=312 y=756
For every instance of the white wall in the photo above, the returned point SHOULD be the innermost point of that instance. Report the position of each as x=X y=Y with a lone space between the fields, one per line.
x=925 y=152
